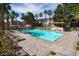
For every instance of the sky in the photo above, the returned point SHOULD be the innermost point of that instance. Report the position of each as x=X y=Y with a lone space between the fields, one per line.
x=35 y=8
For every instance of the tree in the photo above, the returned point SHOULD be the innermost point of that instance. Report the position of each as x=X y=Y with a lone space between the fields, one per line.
x=31 y=18
x=22 y=16
x=13 y=15
x=28 y=18
x=7 y=17
x=49 y=13
x=67 y=12
x=4 y=8
x=45 y=12
x=36 y=16
x=40 y=15
x=58 y=13
x=72 y=8
x=70 y=13
x=16 y=15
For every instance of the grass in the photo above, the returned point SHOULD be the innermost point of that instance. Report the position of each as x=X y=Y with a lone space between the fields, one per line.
x=6 y=45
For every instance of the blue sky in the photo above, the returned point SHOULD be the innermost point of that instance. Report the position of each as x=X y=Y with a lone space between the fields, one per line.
x=35 y=8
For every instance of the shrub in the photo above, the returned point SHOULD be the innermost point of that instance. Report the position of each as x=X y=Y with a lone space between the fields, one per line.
x=52 y=53
x=78 y=43
x=77 y=48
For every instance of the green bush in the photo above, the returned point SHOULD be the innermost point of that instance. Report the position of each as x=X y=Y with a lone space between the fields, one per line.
x=78 y=43
x=52 y=53
x=77 y=48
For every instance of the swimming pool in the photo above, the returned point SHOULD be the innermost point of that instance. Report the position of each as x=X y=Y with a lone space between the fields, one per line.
x=43 y=34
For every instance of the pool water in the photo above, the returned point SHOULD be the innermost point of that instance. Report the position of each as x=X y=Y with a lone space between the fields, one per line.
x=43 y=34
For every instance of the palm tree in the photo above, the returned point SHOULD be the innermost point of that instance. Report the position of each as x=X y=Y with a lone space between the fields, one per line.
x=13 y=15
x=49 y=13
x=7 y=17
x=16 y=15
x=4 y=7
x=23 y=17
x=40 y=15
x=45 y=12
x=36 y=16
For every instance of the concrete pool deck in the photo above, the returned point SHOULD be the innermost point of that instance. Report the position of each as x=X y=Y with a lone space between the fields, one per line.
x=63 y=46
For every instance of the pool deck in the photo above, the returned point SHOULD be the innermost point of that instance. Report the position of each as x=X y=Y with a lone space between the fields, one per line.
x=64 y=46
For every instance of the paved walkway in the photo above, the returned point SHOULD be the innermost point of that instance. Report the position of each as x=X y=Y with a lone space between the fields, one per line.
x=63 y=46
x=66 y=44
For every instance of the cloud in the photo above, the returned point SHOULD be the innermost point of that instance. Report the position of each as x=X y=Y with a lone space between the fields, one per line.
x=24 y=8
x=35 y=8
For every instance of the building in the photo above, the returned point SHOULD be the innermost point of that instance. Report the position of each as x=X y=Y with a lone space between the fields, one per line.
x=46 y=21
x=16 y=23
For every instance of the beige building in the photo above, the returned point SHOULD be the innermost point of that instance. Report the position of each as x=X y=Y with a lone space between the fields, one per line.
x=46 y=21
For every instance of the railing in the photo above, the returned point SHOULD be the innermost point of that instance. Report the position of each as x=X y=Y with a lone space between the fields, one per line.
x=43 y=28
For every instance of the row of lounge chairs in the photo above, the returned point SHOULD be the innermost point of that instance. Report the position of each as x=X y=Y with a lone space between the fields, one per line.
x=17 y=27
x=57 y=29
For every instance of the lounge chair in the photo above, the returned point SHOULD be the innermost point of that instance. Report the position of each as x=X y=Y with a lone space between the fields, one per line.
x=58 y=29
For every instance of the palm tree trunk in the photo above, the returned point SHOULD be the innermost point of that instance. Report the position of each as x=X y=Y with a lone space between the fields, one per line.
x=36 y=18
x=62 y=23
x=45 y=16
x=49 y=18
x=7 y=24
x=49 y=23
x=16 y=21
x=12 y=21
x=2 y=18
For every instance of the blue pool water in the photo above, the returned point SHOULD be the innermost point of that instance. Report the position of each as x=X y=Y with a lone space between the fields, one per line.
x=43 y=34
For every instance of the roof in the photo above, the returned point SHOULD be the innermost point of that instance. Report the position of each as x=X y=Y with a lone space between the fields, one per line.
x=46 y=19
